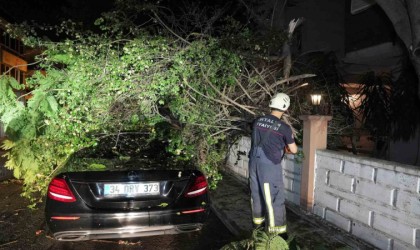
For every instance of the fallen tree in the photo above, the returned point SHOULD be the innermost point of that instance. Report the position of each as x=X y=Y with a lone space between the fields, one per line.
x=198 y=93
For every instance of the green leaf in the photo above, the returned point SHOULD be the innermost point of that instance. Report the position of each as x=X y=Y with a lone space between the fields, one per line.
x=8 y=144
x=61 y=58
x=96 y=166
x=53 y=103
x=124 y=158
x=163 y=204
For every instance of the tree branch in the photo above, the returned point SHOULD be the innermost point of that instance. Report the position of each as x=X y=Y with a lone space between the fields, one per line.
x=169 y=29
x=244 y=90
x=291 y=79
x=203 y=95
x=227 y=98
x=293 y=24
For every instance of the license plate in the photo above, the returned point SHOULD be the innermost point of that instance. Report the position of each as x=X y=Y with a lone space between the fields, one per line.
x=131 y=189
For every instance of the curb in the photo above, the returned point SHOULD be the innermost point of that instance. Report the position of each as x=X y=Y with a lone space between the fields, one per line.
x=340 y=234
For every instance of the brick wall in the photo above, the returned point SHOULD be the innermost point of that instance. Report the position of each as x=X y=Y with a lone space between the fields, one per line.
x=238 y=164
x=377 y=201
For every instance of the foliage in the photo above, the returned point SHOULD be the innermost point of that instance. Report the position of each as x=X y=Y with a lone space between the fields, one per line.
x=334 y=95
x=103 y=83
x=376 y=102
x=404 y=104
x=259 y=240
x=389 y=107
x=198 y=92
x=375 y=108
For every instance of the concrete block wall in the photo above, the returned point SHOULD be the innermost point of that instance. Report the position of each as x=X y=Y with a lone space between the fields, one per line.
x=238 y=158
x=377 y=201
x=238 y=164
x=292 y=172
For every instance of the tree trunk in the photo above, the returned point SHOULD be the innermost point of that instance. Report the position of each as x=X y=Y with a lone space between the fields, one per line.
x=287 y=54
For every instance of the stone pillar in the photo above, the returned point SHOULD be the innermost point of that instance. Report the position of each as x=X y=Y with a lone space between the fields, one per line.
x=314 y=137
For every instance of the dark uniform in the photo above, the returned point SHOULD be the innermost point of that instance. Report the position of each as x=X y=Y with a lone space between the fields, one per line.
x=269 y=137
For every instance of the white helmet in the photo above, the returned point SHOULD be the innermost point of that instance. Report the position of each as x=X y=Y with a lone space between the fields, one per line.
x=281 y=101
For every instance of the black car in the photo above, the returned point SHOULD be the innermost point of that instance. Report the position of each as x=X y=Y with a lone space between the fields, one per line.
x=136 y=189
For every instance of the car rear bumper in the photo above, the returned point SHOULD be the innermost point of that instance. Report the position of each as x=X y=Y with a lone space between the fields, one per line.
x=123 y=225
x=125 y=232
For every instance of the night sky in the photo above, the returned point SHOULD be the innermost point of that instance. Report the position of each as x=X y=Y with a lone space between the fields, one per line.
x=53 y=11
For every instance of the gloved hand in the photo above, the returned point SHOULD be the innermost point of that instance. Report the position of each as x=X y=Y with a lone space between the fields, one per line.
x=287 y=150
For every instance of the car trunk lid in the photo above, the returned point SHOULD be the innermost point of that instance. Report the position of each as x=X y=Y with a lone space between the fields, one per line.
x=130 y=189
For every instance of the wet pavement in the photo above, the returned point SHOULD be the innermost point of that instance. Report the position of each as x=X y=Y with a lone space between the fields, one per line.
x=230 y=220
x=23 y=228
x=212 y=237
x=231 y=203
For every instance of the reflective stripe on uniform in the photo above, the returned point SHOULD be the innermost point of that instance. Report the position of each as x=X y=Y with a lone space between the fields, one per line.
x=252 y=205
x=270 y=210
x=258 y=221
x=277 y=230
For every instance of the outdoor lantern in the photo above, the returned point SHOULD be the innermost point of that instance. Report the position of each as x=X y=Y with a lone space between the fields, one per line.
x=316 y=99
x=316 y=102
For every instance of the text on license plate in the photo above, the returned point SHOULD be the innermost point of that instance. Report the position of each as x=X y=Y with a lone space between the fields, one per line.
x=131 y=188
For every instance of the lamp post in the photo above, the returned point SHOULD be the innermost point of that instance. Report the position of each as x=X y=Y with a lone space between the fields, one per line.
x=316 y=102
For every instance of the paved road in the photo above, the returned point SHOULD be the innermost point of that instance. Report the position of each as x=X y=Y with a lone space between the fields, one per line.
x=22 y=228
x=232 y=203
x=213 y=236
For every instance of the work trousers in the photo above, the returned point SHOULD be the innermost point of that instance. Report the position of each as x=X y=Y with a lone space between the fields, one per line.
x=267 y=193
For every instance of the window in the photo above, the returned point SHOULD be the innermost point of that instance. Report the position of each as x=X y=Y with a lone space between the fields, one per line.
x=10 y=43
x=14 y=72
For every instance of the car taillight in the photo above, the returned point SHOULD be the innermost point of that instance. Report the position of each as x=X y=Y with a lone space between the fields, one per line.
x=65 y=217
x=59 y=190
x=199 y=210
x=199 y=187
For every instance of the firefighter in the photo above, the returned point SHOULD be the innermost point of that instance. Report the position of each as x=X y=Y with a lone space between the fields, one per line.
x=270 y=137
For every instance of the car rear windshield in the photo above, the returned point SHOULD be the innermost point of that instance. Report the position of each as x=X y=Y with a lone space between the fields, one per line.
x=125 y=151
